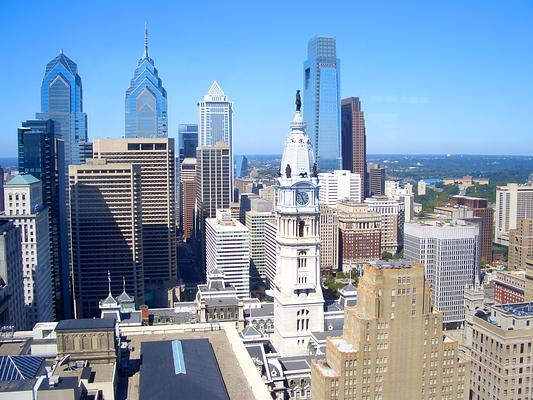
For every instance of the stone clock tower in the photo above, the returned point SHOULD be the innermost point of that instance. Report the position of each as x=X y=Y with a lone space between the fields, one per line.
x=298 y=301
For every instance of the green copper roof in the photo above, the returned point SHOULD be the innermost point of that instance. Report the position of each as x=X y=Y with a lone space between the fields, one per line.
x=23 y=180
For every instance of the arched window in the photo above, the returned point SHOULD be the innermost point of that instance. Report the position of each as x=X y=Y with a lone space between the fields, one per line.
x=301 y=226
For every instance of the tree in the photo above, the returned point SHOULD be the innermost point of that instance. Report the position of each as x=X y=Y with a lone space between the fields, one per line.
x=386 y=256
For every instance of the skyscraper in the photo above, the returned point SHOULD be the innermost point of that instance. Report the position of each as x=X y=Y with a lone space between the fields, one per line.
x=329 y=239
x=520 y=244
x=339 y=185
x=188 y=140
x=24 y=206
x=375 y=180
x=353 y=134
x=155 y=157
x=1 y=189
x=298 y=300
x=188 y=196
x=106 y=232
x=146 y=100
x=41 y=154
x=61 y=101
x=322 y=101
x=260 y=212
x=393 y=345
x=513 y=201
x=241 y=166
x=216 y=123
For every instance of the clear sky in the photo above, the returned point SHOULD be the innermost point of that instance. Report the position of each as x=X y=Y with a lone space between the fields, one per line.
x=433 y=76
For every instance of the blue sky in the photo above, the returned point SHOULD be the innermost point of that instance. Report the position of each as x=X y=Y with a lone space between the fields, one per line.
x=433 y=76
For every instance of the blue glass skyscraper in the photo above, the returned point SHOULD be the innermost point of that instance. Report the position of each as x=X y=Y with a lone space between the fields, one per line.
x=188 y=140
x=322 y=101
x=146 y=100
x=61 y=101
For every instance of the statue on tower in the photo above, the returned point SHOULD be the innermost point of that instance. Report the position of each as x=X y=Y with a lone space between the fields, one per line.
x=298 y=101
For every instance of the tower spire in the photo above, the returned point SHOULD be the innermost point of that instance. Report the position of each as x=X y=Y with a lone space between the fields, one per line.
x=109 y=281
x=145 y=40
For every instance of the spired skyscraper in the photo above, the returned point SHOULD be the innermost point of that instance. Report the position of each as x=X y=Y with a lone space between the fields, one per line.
x=146 y=100
x=322 y=101
x=61 y=101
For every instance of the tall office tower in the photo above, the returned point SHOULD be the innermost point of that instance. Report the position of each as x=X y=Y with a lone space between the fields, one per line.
x=245 y=204
x=12 y=312
x=329 y=240
x=480 y=208
x=392 y=221
x=520 y=244
x=106 y=232
x=339 y=185
x=155 y=157
x=24 y=206
x=322 y=101
x=393 y=345
x=188 y=196
x=528 y=291
x=216 y=123
x=1 y=189
x=213 y=179
x=375 y=180
x=298 y=301
x=188 y=140
x=61 y=101
x=450 y=252
x=513 y=201
x=360 y=233
x=260 y=212
x=499 y=341
x=41 y=154
x=271 y=231
x=353 y=133
x=227 y=250
x=146 y=100
x=241 y=167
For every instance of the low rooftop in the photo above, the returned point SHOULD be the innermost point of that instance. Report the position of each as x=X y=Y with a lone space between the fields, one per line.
x=85 y=324
x=518 y=310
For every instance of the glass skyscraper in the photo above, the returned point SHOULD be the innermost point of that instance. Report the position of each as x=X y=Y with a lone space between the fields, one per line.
x=61 y=101
x=146 y=100
x=322 y=101
x=188 y=140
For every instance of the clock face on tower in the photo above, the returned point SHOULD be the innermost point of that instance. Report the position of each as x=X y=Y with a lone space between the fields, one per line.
x=302 y=198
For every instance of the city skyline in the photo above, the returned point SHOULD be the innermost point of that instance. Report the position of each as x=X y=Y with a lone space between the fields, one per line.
x=415 y=76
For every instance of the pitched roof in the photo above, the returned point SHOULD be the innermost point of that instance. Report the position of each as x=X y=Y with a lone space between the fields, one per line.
x=15 y=368
x=26 y=179
x=63 y=59
x=216 y=89
x=125 y=298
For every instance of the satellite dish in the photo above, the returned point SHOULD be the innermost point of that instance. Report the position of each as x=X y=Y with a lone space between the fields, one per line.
x=64 y=360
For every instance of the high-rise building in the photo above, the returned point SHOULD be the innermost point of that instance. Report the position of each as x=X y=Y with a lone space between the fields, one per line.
x=269 y=193
x=509 y=287
x=450 y=252
x=404 y=195
x=24 y=206
x=216 y=123
x=375 y=180
x=421 y=188
x=271 y=232
x=329 y=239
x=393 y=345
x=392 y=221
x=1 y=189
x=353 y=135
x=241 y=167
x=61 y=101
x=155 y=157
x=499 y=344
x=322 y=101
x=188 y=196
x=41 y=154
x=298 y=301
x=520 y=244
x=188 y=140
x=339 y=185
x=106 y=232
x=12 y=312
x=260 y=212
x=480 y=208
x=213 y=179
x=513 y=201
x=360 y=232
x=528 y=291
x=227 y=250
x=146 y=100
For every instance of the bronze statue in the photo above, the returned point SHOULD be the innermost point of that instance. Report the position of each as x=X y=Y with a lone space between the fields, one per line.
x=288 y=171
x=315 y=171
x=298 y=101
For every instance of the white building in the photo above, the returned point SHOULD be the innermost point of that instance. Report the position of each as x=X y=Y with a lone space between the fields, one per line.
x=260 y=212
x=392 y=221
x=271 y=232
x=513 y=201
x=24 y=206
x=422 y=188
x=339 y=185
x=404 y=195
x=298 y=301
x=215 y=122
x=227 y=249
x=450 y=252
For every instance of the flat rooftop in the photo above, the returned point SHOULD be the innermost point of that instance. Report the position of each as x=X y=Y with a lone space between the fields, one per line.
x=391 y=264
x=519 y=309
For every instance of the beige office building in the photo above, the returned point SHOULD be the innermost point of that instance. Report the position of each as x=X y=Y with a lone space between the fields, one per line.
x=329 y=240
x=392 y=220
x=500 y=344
x=513 y=202
x=105 y=233
x=155 y=157
x=392 y=346
x=520 y=244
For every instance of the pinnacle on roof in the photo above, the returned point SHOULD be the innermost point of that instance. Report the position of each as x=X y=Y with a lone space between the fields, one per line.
x=145 y=40
x=124 y=297
x=215 y=90
x=65 y=61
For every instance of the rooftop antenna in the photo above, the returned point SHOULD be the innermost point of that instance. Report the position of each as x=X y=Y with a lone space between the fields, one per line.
x=109 y=281
x=145 y=40
x=123 y=284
